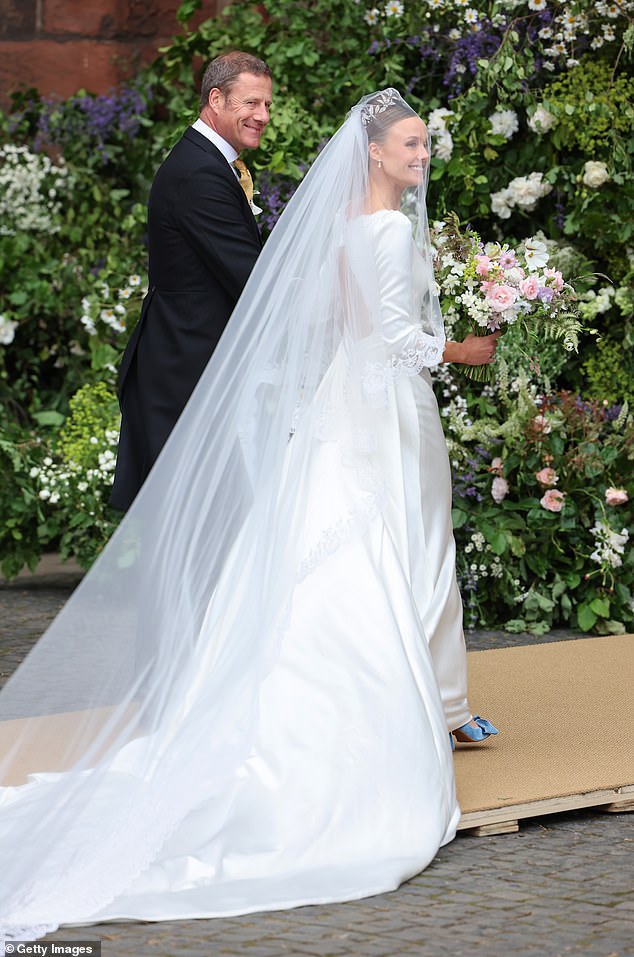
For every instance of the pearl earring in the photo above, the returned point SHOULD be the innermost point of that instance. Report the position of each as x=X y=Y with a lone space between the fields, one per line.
x=379 y=164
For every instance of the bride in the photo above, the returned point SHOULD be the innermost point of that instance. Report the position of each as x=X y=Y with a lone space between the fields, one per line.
x=246 y=704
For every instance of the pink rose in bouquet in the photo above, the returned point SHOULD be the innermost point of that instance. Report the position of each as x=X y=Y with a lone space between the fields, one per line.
x=554 y=278
x=529 y=287
x=483 y=265
x=500 y=297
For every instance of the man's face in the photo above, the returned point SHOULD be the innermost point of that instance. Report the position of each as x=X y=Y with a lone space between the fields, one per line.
x=241 y=117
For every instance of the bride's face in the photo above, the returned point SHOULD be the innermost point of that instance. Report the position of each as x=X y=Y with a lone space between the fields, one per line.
x=403 y=153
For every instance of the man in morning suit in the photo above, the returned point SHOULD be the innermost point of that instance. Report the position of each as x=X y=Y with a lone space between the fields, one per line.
x=203 y=243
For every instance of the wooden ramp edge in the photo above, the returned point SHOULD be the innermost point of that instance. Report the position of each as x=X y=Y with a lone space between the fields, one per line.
x=505 y=820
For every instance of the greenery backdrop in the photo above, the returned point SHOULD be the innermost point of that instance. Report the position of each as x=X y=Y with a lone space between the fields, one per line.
x=531 y=106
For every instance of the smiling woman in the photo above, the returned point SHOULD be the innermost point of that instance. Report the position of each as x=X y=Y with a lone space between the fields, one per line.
x=267 y=660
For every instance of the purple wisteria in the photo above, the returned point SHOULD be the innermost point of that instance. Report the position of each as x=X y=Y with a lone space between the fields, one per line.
x=97 y=122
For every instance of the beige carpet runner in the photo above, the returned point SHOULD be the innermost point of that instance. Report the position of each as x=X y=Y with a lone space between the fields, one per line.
x=566 y=715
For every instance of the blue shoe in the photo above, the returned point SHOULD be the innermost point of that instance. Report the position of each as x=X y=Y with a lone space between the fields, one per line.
x=478 y=729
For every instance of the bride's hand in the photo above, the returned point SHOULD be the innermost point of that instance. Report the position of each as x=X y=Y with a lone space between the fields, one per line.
x=473 y=350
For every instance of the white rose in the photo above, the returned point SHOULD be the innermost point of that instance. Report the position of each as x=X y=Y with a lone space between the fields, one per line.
x=504 y=122
x=499 y=489
x=595 y=174
x=542 y=120
x=523 y=191
x=436 y=121
x=7 y=331
x=443 y=145
x=500 y=204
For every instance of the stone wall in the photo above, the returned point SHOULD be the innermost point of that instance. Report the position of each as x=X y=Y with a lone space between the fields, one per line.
x=61 y=46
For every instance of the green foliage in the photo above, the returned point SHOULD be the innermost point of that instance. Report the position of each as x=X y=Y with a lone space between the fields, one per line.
x=54 y=493
x=593 y=109
x=74 y=481
x=609 y=373
x=93 y=410
x=542 y=492
x=23 y=527
x=70 y=293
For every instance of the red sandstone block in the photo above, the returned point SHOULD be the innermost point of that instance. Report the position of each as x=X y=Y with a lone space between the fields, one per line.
x=63 y=68
x=168 y=25
x=118 y=18
x=88 y=18
x=17 y=18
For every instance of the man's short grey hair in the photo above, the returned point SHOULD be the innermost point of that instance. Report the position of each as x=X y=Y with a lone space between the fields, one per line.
x=223 y=72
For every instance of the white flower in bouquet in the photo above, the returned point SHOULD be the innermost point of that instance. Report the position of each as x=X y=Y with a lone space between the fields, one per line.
x=535 y=253
x=504 y=123
x=542 y=120
x=595 y=174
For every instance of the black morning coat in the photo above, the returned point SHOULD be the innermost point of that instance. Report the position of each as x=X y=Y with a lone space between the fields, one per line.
x=203 y=243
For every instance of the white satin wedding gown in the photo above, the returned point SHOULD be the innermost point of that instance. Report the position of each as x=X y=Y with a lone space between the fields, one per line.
x=348 y=786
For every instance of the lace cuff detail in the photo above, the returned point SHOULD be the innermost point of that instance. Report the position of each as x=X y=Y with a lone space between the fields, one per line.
x=421 y=350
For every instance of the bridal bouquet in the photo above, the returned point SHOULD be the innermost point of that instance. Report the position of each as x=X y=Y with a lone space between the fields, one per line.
x=489 y=286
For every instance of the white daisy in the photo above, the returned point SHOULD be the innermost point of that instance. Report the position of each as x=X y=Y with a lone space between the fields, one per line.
x=394 y=8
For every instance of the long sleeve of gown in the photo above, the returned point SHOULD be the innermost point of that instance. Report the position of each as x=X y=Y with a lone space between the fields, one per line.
x=411 y=347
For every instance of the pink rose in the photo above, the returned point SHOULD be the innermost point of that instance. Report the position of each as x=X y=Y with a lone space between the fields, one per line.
x=557 y=279
x=499 y=489
x=553 y=500
x=547 y=477
x=483 y=265
x=501 y=297
x=616 y=496
x=529 y=287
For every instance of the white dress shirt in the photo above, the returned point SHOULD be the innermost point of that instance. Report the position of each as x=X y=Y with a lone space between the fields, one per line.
x=225 y=148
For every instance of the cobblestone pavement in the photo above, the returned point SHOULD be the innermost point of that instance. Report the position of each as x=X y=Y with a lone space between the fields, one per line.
x=560 y=887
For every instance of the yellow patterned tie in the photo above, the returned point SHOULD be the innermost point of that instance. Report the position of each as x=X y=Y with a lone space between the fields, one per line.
x=245 y=178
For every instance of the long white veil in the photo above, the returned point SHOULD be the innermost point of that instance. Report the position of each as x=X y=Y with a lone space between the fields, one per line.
x=197 y=580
